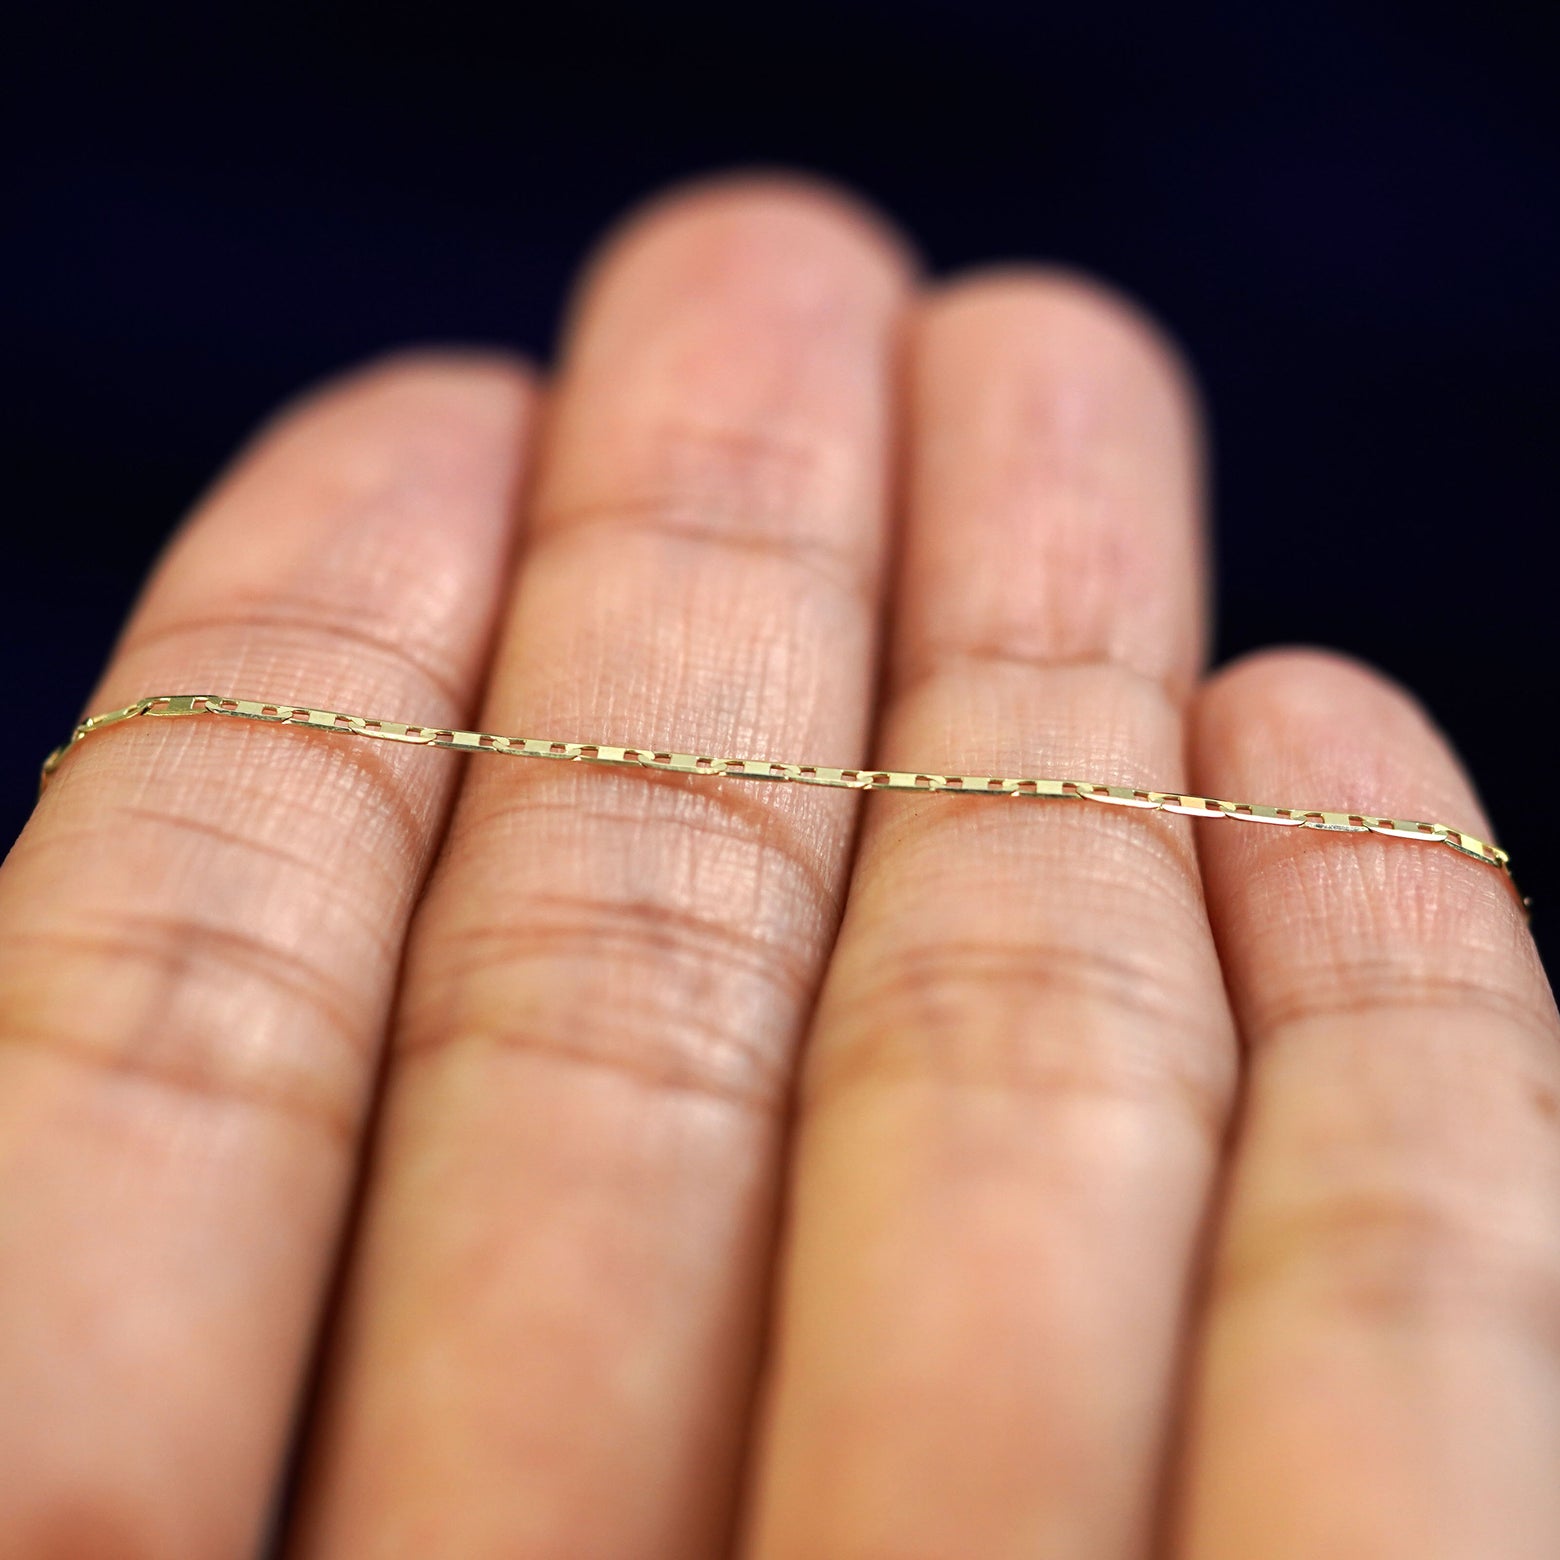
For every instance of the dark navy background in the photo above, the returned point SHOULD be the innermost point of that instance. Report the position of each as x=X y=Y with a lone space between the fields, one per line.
x=1346 y=211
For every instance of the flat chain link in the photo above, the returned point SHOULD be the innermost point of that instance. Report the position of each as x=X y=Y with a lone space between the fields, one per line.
x=180 y=704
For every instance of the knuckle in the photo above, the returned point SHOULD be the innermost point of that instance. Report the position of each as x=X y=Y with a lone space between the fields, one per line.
x=1071 y=1022
x=178 y=1002
x=688 y=964
x=664 y=998
x=734 y=490
x=1399 y=1258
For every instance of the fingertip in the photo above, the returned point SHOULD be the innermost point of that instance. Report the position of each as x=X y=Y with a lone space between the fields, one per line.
x=463 y=415
x=418 y=380
x=1289 y=688
x=1056 y=495
x=1089 y=319
x=758 y=221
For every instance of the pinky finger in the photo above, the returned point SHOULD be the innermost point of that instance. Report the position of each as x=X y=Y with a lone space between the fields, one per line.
x=1381 y=1364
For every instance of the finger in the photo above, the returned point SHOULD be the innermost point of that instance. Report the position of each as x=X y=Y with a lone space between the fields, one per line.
x=1380 y=1374
x=199 y=931
x=560 y=1282
x=1019 y=1069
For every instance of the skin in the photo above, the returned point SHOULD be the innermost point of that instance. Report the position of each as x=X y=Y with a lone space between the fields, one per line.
x=549 y=1161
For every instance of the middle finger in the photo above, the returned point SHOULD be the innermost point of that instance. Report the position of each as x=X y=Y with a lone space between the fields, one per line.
x=558 y=1290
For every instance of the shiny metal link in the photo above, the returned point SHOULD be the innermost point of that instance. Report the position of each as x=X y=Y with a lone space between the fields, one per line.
x=179 y=704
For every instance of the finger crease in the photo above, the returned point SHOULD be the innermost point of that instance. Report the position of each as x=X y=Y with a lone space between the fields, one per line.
x=936 y=660
x=314 y=622
x=665 y=518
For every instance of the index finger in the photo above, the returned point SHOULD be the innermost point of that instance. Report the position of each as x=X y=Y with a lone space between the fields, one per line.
x=199 y=932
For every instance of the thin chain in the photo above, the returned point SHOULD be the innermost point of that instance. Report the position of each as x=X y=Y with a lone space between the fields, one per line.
x=167 y=705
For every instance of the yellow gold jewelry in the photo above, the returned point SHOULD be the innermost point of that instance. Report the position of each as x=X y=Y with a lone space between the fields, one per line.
x=177 y=704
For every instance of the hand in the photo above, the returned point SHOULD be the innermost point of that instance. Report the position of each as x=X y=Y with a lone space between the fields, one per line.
x=866 y=1177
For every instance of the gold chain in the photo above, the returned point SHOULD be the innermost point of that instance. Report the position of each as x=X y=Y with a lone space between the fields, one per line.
x=165 y=705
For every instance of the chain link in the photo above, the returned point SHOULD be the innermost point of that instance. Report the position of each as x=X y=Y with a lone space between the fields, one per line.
x=179 y=704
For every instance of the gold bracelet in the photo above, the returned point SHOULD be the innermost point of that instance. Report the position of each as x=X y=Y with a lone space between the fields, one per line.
x=165 y=705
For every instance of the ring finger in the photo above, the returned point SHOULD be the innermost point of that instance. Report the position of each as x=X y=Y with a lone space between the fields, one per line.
x=1018 y=1075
